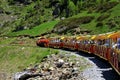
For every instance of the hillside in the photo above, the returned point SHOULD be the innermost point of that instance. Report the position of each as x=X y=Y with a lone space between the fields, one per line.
x=33 y=18
x=100 y=20
x=18 y=53
x=26 y=17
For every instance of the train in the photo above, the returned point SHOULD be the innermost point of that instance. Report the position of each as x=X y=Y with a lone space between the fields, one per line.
x=106 y=46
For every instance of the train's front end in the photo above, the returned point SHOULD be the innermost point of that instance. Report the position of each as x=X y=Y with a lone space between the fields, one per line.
x=42 y=42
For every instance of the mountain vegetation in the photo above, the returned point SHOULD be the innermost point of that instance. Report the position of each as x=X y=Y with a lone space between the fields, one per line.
x=33 y=18
x=22 y=16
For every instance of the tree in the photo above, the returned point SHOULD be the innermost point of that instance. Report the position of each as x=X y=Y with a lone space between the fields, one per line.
x=79 y=5
x=72 y=8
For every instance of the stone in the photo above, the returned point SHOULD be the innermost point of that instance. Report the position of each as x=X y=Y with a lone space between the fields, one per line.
x=51 y=68
x=56 y=67
x=61 y=60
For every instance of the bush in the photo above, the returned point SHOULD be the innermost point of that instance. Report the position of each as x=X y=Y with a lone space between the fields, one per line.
x=106 y=6
x=102 y=17
x=1 y=10
x=71 y=23
x=99 y=24
x=111 y=24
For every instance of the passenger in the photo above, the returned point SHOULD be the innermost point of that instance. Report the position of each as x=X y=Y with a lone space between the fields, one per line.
x=85 y=42
x=107 y=43
x=95 y=42
x=118 y=43
x=61 y=40
x=57 y=40
x=92 y=42
x=103 y=42
x=98 y=42
x=89 y=41
x=114 y=45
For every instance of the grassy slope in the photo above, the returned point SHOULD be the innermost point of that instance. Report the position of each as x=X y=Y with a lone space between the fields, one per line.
x=24 y=15
x=103 y=29
x=92 y=24
x=49 y=25
x=45 y=27
x=15 y=57
x=114 y=12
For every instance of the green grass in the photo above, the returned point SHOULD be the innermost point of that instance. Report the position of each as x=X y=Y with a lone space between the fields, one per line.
x=45 y=27
x=6 y=40
x=85 y=13
x=16 y=57
x=115 y=11
x=89 y=26
x=101 y=29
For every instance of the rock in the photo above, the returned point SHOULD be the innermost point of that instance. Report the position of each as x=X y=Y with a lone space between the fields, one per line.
x=71 y=64
x=61 y=61
x=25 y=75
x=59 y=64
x=61 y=56
x=54 y=67
x=65 y=65
x=46 y=66
x=51 y=68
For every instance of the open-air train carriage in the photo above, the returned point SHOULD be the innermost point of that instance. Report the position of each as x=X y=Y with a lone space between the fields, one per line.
x=106 y=46
x=115 y=50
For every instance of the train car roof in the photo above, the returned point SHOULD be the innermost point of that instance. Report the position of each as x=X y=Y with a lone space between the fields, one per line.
x=114 y=35
x=93 y=37
x=83 y=37
x=101 y=37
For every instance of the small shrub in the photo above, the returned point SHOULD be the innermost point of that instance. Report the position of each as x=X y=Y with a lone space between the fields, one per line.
x=111 y=24
x=99 y=24
x=1 y=10
x=102 y=17
x=56 y=52
x=18 y=28
x=21 y=67
x=90 y=10
x=106 y=6
x=68 y=24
